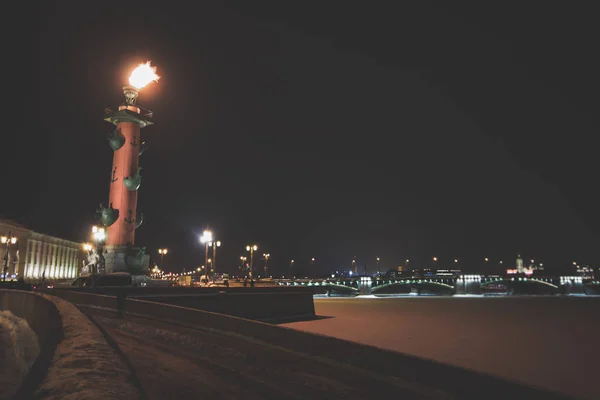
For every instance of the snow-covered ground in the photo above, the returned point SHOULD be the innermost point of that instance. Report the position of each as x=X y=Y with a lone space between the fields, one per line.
x=548 y=342
x=18 y=350
x=174 y=362
x=182 y=362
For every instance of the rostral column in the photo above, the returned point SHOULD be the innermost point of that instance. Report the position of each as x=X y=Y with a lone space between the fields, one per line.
x=121 y=217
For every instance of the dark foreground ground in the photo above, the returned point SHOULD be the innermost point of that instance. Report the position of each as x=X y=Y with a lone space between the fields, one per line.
x=173 y=361
x=186 y=363
x=548 y=342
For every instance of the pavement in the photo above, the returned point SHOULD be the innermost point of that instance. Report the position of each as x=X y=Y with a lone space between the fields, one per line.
x=545 y=342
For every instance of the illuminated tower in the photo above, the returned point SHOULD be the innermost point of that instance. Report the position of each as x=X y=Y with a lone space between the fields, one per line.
x=520 y=268
x=121 y=217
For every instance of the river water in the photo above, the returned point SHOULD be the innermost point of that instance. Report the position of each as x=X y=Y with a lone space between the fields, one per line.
x=18 y=350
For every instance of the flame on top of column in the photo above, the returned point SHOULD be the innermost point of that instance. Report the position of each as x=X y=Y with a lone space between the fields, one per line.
x=143 y=75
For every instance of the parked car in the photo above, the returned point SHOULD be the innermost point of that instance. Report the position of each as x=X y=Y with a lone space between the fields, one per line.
x=18 y=285
x=141 y=280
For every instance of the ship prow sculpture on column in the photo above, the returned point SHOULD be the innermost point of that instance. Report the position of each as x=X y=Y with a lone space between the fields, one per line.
x=121 y=217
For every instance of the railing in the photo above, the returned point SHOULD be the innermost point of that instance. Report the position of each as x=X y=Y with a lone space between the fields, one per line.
x=108 y=111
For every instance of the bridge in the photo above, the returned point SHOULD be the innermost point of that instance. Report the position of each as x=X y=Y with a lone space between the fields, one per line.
x=448 y=285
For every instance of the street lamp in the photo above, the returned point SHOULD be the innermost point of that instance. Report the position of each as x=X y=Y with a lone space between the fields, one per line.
x=266 y=258
x=163 y=253
x=206 y=238
x=243 y=266
x=214 y=259
x=251 y=249
x=7 y=240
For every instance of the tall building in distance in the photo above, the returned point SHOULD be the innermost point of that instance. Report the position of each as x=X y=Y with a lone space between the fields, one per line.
x=520 y=267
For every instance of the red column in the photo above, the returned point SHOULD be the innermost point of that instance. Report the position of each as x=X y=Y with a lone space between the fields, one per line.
x=125 y=163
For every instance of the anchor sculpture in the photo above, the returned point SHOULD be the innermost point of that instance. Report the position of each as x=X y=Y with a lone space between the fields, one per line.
x=133 y=182
x=129 y=218
x=114 y=179
x=116 y=140
x=109 y=215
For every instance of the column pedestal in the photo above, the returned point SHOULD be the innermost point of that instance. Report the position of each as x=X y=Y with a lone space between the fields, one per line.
x=125 y=259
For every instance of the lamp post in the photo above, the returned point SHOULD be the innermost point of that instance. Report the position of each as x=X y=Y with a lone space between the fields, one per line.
x=163 y=253
x=243 y=266
x=312 y=265
x=266 y=258
x=251 y=249
x=99 y=236
x=206 y=238
x=214 y=259
x=7 y=240
x=292 y=267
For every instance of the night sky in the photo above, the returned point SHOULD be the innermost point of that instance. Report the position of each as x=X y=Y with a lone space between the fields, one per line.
x=317 y=129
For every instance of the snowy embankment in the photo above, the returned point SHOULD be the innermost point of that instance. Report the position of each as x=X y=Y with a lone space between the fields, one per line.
x=18 y=350
x=74 y=360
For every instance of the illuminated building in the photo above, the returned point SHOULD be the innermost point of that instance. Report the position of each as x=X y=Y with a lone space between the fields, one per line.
x=520 y=268
x=34 y=254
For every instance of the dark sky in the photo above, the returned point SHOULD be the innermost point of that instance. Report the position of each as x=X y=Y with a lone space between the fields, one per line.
x=324 y=130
